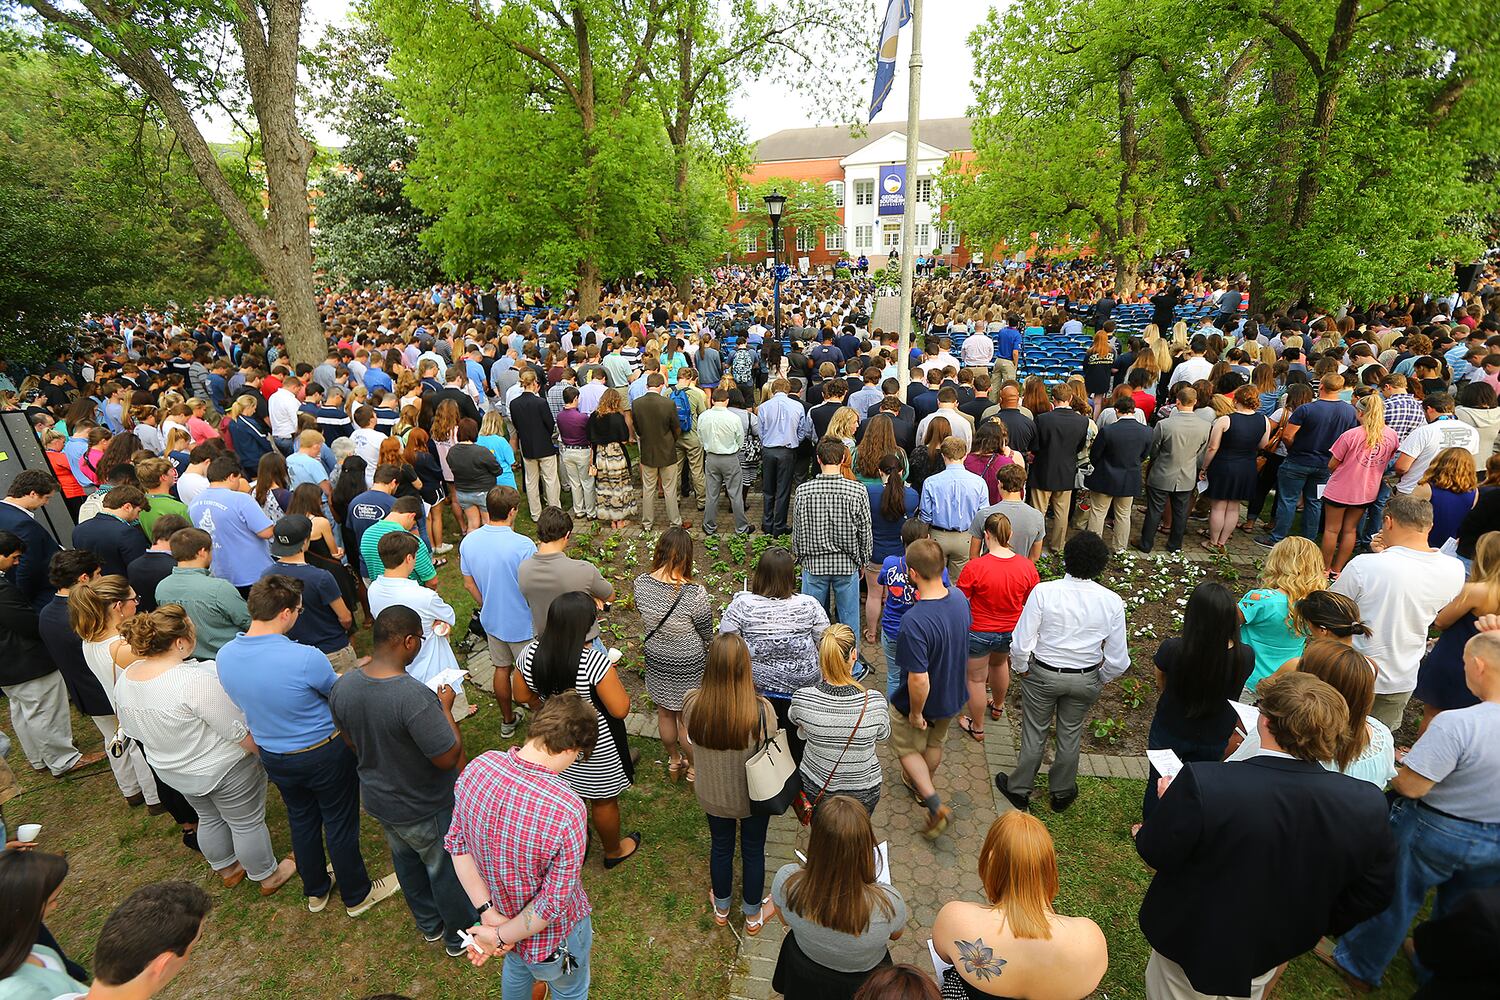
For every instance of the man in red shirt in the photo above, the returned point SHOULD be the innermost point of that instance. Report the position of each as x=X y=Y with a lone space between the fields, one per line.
x=518 y=839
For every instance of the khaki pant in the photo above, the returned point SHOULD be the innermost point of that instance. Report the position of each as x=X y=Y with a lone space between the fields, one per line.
x=689 y=447
x=575 y=462
x=955 y=545
x=667 y=477
x=1056 y=506
x=1100 y=507
x=542 y=472
x=343 y=659
x=1389 y=708
x=1165 y=980
x=1003 y=370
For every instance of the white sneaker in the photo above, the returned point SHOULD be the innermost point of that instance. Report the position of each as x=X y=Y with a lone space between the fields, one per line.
x=442 y=549
x=381 y=888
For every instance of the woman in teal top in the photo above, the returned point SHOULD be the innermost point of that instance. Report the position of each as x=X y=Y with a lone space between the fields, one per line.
x=1268 y=624
x=30 y=884
x=492 y=436
x=673 y=361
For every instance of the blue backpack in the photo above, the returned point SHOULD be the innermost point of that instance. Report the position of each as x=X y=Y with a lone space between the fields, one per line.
x=684 y=410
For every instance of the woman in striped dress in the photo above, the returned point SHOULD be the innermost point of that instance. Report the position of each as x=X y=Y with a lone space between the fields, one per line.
x=563 y=659
x=841 y=722
x=677 y=621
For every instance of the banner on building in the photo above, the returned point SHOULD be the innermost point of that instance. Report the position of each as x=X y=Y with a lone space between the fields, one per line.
x=892 y=190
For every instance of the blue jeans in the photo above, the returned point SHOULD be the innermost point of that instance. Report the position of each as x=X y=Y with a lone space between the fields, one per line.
x=518 y=975
x=321 y=791
x=892 y=672
x=843 y=589
x=752 y=831
x=428 y=882
x=1297 y=478
x=1375 y=515
x=1454 y=855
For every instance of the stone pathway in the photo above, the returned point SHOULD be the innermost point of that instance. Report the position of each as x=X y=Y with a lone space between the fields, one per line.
x=928 y=873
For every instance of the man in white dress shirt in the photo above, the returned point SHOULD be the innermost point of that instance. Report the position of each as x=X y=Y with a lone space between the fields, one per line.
x=1068 y=644
x=283 y=405
x=367 y=441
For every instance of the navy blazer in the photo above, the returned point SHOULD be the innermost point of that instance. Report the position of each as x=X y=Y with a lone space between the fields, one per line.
x=1275 y=852
x=116 y=543
x=30 y=574
x=1117 y=453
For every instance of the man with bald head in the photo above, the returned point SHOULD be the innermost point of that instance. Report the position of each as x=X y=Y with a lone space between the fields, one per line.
x=1019 y=425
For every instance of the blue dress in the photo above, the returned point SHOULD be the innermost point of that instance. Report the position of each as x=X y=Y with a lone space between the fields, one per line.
x=1440 y=678
x=1232 y=474
x=886 y=535
x=1448 y=512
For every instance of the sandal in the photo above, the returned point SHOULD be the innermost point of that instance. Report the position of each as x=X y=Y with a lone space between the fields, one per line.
x=692 y=775
x=1208 y=546
x=755 y=923
x=967 y=725
x=996 y=711
x=675 y=769
x=916 y=795
x=439 y=563
x=721 y=917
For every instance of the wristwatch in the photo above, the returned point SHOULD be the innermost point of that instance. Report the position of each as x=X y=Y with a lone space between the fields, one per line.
x=486 y=905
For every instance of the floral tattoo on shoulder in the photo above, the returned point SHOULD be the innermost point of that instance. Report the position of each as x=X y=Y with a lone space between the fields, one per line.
x=979 y=959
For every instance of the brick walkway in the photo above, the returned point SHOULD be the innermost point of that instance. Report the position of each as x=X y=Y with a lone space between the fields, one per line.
x=928 y=874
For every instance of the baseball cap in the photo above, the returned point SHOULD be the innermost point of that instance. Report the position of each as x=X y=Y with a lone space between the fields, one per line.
x=289 y=534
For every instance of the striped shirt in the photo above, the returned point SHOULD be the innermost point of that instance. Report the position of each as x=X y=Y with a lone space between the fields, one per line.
x=824 y=716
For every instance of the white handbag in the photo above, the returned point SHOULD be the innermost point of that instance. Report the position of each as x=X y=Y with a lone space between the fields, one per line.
x=771 y=775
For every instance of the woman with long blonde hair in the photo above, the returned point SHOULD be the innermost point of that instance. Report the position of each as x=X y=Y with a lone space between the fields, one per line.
x=726 y=720
x=841 y=722
x=1269 y=623
x=1042 y=952
x=1452 y=487
x=1358 y=460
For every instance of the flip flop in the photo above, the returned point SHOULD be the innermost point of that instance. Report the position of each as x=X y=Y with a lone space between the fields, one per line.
x=967 y=725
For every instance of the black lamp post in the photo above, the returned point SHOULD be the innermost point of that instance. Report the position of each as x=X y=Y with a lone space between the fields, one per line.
x=775 y=206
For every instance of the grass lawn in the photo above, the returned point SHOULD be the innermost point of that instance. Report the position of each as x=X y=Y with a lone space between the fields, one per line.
x=653 y=934
x=1104 y=879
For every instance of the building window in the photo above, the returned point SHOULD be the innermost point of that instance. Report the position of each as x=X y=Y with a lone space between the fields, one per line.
x=807 y=239
x=836 y=188
x=924 y=191
x=741 y=202
x=749 y=242
x=833 y=238
x=924 y=237
x=864 y=237
x=864 y=192
x=891 y=238
x=950 y=236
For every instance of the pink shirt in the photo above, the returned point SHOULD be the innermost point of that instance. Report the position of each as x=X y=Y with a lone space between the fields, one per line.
x=1357 y=479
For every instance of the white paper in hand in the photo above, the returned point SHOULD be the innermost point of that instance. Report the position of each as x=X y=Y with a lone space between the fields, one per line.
x=1249 y=716
x=453 y=677
x=1165 y=761
x=883 y=863
x=938 y=965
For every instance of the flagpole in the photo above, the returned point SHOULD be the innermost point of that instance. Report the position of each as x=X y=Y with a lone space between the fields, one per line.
x=908 y=215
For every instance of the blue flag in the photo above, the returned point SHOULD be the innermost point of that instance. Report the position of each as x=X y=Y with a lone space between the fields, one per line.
x=897 y=14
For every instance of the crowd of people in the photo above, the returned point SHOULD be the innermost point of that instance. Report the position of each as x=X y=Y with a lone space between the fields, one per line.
x=234 y=515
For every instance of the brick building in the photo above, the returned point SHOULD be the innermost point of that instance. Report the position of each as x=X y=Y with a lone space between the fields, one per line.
x=858 y=171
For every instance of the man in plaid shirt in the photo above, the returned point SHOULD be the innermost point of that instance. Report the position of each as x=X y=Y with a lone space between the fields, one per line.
x=518 y=839
x=831 y=534
x=1403 y=414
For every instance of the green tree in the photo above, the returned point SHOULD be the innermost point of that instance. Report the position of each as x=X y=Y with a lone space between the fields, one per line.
x=1064 y=148
x=366 y=229
x=239 y=60
x=537 y=154
x=809 y=205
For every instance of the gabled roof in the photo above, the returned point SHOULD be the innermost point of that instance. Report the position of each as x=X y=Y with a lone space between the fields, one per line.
x=834 y=141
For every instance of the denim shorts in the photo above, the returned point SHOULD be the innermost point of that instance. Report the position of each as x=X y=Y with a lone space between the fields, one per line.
x=475 y=499
x=985 y=643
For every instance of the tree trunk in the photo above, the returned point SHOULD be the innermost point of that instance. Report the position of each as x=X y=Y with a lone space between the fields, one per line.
x=1127 y=275
x=288 y=257
x=1282 y=196
x=589 y=286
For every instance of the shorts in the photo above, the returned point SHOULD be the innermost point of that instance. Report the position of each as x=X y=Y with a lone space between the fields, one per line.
x=504 y=653
x=907 y=739
x=985 y=643
x=1347 y=506
x=467 y=499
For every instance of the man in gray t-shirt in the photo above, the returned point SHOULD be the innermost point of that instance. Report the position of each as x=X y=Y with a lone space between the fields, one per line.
x=1446 y=820
x=409 y=749
x=550 y=572
x=1027 y=526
